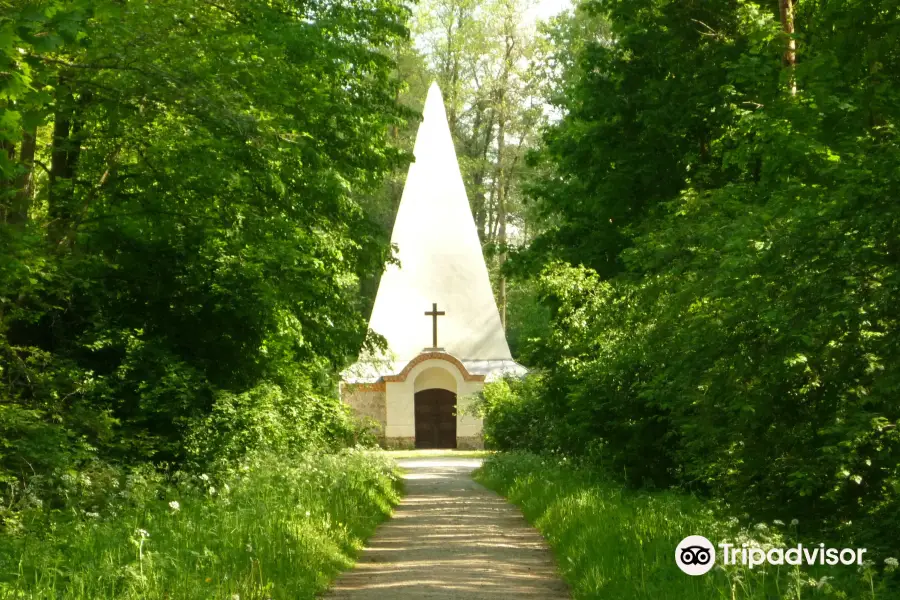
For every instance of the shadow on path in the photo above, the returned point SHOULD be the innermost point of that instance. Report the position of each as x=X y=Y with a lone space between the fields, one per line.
x=451 y=538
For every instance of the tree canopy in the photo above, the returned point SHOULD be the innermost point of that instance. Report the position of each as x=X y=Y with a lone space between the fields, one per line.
x=690 y=211
x=182 y=205
x=720 y=255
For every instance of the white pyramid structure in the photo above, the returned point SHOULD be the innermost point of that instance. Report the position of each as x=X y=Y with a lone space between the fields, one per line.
x=440 y=258
x=416 y=395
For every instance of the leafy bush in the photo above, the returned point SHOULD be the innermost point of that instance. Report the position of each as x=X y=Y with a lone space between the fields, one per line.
x=721 y=261
x=269 y=419
x=668 y=389
x=511 y=412
x=195 y=235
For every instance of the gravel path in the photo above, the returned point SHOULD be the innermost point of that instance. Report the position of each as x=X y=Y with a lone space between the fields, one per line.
x=451 y=538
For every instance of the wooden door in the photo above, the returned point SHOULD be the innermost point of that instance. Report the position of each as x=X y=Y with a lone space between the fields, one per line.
x=435 y=419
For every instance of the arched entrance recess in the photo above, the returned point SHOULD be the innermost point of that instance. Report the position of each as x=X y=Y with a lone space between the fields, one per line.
x=435 y=408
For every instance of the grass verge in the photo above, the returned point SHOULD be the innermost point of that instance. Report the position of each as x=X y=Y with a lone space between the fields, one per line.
x=274 y=528
x=614 y=543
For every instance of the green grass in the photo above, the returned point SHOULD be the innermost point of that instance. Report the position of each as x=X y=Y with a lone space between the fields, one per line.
x=619 y=544
x=273 y=529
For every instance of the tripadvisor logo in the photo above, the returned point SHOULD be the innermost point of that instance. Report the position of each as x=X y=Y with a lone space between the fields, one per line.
x=696 y=555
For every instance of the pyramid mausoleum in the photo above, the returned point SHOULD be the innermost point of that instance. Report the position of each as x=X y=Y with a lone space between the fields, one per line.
x=436 y=310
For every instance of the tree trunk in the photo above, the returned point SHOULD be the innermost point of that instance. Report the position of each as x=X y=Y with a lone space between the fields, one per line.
x=501 y=185
x=476 y=197
x=481 y=147
x=25 y=181
x=486 y=144
x=64 y=154
x=452 y=71
x=790 y=53
x=6 y=183
x=491 y=210
x=59 y=194
x=501 y=211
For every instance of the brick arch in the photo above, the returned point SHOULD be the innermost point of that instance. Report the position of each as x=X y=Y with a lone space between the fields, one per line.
x=402 y=375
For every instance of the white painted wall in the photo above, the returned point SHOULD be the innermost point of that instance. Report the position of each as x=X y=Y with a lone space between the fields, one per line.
x=436 y=377
x=440 y=258
x=434 y=373
x=467 y=425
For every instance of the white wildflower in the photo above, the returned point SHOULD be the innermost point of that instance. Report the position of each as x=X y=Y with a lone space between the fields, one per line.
x=890 y=564
x=795 y=522
x=778 y=522
x=762 y=527
x=174 y=505
x=212 y=491
x=866 y=567
x=821 y=583
x=204 y=477
x=249 y=547
x=143 y=533
x=92 y=515
x=307 y=513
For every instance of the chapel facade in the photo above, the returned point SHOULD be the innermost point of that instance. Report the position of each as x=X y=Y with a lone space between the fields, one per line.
x=436 y=310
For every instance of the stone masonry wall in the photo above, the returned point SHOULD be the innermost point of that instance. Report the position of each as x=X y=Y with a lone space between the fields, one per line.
x=469 y=442
x=399 y=443
x=369 y=406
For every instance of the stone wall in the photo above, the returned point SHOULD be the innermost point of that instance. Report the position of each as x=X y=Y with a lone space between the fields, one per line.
x=369 y=405
x=469 y=442
x=399 y=443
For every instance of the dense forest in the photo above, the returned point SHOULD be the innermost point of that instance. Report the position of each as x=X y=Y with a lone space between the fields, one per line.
x=689 y=210
x=183 y=223
x=720 y=254
x=183 y=191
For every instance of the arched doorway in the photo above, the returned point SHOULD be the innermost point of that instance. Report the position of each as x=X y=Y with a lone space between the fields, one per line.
x=435 y=411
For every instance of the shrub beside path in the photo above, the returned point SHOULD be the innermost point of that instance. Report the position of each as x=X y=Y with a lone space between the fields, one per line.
x=451 y=538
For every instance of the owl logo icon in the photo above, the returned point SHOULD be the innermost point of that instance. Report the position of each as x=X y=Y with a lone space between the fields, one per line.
x=695 y=555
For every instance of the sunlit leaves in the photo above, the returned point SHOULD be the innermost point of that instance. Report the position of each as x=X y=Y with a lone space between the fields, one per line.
x=744 y=340
x=205 y=227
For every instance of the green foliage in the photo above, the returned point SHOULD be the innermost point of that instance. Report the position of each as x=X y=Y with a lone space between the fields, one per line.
x=527 y=321
x=182 y=223
x=272 y=528
x=729 y=324
x=614 y=543
x=271 y=420
x=511 y=410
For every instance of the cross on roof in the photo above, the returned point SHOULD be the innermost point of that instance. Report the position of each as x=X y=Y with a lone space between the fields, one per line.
x=434 y=314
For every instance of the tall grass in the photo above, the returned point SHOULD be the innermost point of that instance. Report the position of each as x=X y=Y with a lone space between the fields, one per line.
x=273 y=528
x=614 y=543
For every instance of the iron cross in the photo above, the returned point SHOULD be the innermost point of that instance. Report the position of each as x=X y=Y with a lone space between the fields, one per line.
x=434 y=314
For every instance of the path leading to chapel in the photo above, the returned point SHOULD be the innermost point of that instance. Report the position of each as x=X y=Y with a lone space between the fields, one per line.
x=451 y=538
